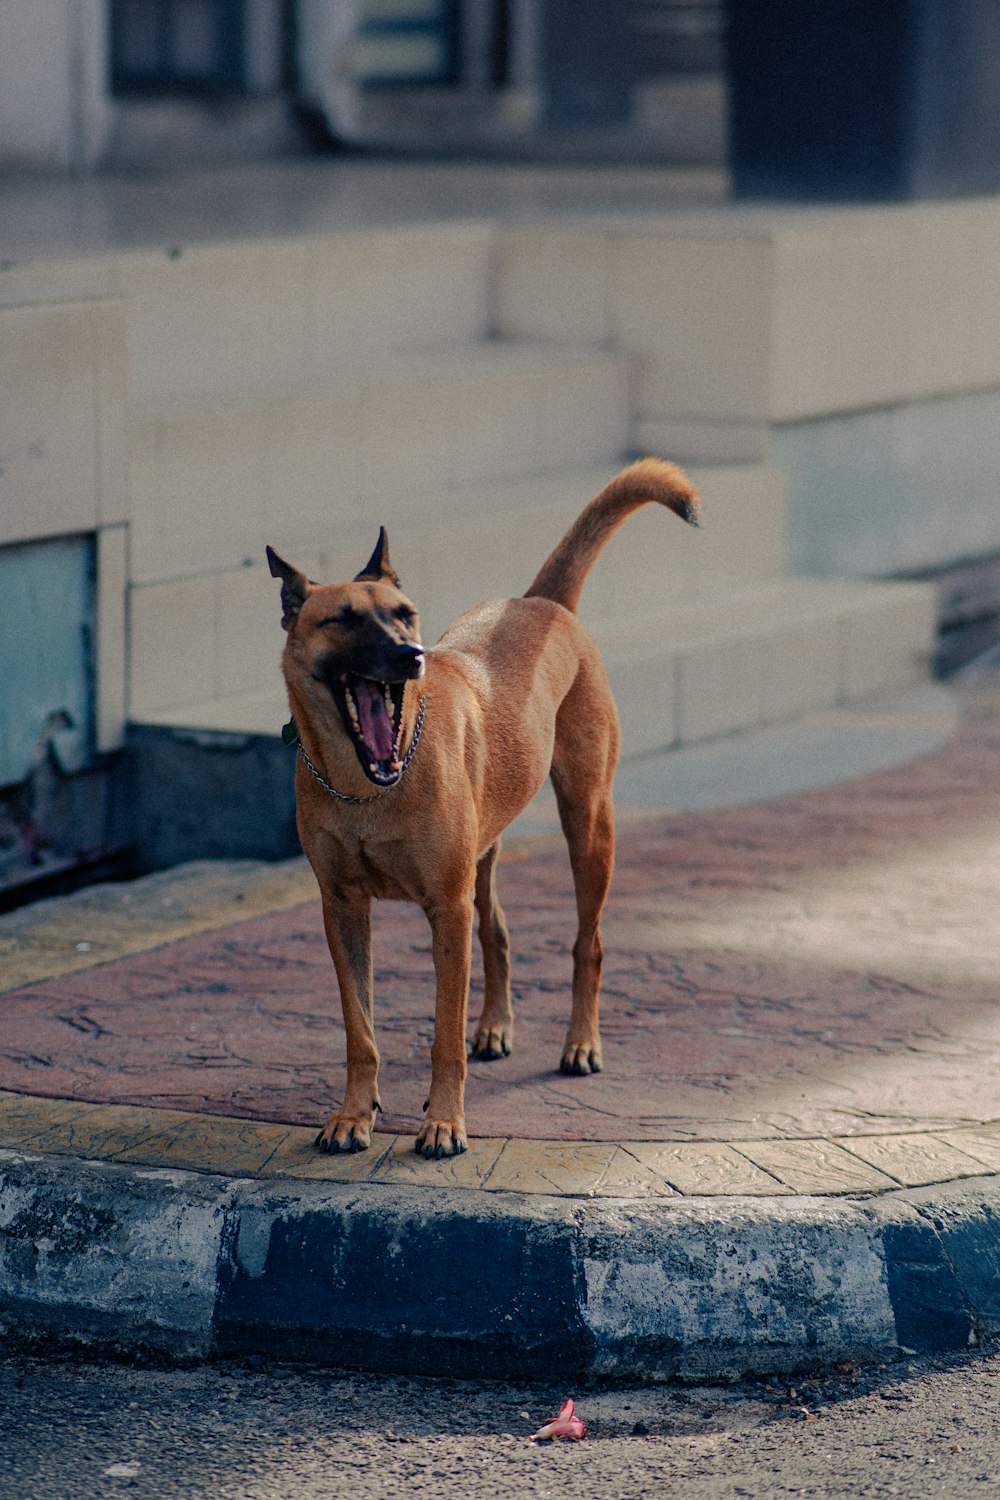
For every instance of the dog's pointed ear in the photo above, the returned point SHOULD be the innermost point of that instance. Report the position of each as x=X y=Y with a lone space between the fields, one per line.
x=378 y=568
x=294 y=587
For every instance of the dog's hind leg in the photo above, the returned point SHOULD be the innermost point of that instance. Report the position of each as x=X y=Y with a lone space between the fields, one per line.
x=348 y=932
x=495 y=1029
x=586 y=753
x=590 y=832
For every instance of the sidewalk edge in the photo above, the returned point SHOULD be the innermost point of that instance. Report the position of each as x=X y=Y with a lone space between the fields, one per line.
x=190 y=1266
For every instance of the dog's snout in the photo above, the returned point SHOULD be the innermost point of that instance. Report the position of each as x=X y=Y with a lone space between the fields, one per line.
x=411 y=659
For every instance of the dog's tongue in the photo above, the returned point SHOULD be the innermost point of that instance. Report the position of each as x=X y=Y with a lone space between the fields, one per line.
x=376 y=729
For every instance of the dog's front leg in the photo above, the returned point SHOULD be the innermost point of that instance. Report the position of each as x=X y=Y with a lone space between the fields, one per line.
x=347 y=919
x=443 y=1131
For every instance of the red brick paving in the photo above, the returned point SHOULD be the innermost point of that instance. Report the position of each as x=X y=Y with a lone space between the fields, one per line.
x=824 y=964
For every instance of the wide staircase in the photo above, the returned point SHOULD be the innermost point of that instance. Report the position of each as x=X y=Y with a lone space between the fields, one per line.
x=303 y=391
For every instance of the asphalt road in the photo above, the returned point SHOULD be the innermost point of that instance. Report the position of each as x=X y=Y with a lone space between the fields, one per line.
x=78 y=1431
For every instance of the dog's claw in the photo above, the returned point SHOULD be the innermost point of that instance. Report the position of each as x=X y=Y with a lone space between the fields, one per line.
x=490 y=1053
x=439 y=1140
x=345 y=1136
x=577 y=1062
x=491 y=1043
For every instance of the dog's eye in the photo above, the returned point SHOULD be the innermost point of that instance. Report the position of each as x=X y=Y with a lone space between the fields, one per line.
x=405 y=615
x=347 y=618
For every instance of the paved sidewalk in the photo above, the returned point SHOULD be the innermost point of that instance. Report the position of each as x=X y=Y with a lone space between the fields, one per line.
x=788 y=1158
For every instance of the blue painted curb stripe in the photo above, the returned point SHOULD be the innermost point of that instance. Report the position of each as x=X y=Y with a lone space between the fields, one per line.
x=433 y=1282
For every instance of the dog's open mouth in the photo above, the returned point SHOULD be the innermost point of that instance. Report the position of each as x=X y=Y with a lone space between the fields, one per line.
x=372 y=713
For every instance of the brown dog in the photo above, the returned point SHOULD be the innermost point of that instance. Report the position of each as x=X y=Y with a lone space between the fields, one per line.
x=412 y=764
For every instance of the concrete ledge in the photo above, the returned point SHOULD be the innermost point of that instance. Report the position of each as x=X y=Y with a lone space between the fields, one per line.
x=96 y=1255
x=435 y=1281
x=747 y=315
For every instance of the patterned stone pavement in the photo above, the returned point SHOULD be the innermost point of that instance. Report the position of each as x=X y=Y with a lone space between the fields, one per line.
x=800 y=996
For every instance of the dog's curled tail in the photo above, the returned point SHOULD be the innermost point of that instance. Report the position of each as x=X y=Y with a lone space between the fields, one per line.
x=564 y=572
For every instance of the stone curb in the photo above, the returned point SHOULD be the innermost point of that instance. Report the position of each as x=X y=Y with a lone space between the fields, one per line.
x=437 y=1281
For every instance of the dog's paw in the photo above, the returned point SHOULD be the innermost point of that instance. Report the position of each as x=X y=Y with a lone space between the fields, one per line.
x=440 y=1138
x=491 y=1042
x=581 y=1058
x=345 y=1133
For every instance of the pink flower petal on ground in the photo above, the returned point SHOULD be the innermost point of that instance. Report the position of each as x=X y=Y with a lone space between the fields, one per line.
x=566 y=1425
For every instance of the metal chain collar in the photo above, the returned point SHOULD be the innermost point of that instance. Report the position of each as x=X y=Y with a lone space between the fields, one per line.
x=343 y=796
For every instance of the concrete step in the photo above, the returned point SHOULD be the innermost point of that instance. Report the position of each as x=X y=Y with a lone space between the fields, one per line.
x=209 y=480
x=699 y=670
x=215 y=634
x=236 y=315
x=763 y=655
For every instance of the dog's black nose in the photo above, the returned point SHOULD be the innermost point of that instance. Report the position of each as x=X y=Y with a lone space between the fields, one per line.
x=411 y=659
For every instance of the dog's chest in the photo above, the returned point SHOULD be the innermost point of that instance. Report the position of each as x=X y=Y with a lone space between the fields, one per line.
x=378 y=866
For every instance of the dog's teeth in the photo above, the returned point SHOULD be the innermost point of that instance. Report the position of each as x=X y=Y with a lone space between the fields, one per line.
x=373 y=767
x=388 y=701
